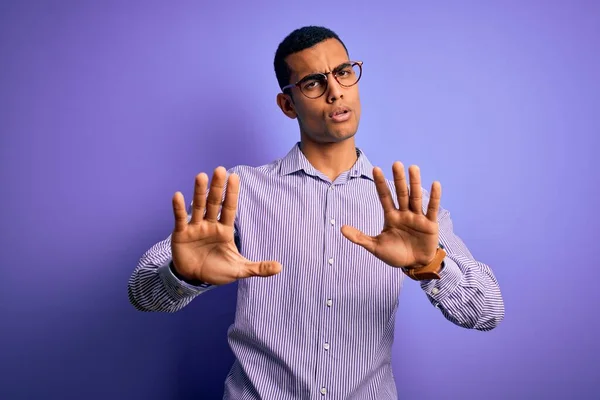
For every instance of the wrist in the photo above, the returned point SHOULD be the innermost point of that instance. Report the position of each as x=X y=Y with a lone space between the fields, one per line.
x=183 y=278
x=423 y=265
x=429 y=271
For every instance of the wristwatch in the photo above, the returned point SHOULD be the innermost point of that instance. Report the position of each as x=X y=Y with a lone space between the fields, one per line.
x=431 y=270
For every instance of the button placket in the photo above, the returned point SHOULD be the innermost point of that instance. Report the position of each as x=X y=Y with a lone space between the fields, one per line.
x=328 y=273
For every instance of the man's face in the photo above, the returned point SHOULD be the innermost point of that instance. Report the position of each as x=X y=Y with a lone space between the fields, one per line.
x=334 y=116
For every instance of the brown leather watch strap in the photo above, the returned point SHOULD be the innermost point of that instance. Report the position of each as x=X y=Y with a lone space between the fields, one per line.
x=430 y=271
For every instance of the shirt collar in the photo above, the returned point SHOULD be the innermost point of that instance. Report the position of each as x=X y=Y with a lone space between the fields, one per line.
x=295 y=161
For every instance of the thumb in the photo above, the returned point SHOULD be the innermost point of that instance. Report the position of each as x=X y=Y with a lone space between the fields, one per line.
x=359 y=238
x=261 y=268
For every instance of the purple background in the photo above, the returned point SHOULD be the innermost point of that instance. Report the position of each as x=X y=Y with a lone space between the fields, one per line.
x=108 y=108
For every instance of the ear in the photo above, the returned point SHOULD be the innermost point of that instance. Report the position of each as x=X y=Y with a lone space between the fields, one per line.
x=284 y=102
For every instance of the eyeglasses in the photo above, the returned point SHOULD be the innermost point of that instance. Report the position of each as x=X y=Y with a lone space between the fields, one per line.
x=315 y=85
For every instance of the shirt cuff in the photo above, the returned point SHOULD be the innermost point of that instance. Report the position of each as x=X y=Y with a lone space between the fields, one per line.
x=177 y=288
x=450 y=277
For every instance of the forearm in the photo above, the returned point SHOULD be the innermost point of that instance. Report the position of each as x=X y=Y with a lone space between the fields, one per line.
x=154 y=287
x=467 y=293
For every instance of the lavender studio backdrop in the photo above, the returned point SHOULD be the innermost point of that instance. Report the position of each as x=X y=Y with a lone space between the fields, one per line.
x=108 y=108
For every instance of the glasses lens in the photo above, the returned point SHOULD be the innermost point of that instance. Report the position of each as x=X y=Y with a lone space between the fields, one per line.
x=314 y=86
x=349 y=74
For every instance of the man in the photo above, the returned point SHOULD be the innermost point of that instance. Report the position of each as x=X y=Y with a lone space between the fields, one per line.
x=320 y=243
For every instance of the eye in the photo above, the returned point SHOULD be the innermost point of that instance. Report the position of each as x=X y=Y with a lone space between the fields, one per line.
x=311 y=84
x=345 y=72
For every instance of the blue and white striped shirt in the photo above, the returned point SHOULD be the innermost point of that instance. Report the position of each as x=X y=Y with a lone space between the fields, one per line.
x=323 y=327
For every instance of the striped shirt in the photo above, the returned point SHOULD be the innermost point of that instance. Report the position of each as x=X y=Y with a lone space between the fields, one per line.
x=323 y=327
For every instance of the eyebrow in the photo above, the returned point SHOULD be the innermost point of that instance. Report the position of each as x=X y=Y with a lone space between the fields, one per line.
x=342 y=66
x=318 y=74
x=308 y=77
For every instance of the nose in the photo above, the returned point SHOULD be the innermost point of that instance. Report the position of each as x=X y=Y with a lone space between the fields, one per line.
x=334 y=90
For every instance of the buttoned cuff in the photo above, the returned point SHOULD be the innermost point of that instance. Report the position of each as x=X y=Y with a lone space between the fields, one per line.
x=177 y=288
x=450 y=277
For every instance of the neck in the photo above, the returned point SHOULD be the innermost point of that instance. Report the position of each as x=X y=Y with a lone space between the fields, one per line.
x=332 y=159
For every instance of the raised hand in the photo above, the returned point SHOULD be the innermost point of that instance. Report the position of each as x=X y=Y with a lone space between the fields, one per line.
x=204 y=248
x=409 y=238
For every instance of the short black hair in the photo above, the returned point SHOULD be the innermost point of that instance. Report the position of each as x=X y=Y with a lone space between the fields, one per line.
x=298 y=40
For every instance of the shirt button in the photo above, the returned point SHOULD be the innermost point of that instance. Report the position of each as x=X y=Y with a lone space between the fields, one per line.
x=435 y=290
x=326 y=346
x=179 y=291
x=329 y=302
x=332 y=221
x=323 y=391
x=331 y=187
x=330 y=261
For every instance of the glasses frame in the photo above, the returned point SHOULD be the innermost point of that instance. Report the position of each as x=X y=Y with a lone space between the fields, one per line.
x=324 y=75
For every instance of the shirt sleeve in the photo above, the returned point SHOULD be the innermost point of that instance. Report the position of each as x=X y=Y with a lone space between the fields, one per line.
x=467 y=292
x=154 y=287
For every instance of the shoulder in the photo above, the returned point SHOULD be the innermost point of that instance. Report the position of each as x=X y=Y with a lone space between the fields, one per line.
x=253 y=175
x=248 y=170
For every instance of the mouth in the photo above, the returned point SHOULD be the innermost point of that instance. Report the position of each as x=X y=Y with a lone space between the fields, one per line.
x=340 y=114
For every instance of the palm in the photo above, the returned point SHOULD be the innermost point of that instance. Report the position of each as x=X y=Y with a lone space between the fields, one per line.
x=409 y=238
x=211 y=252
x=203 y=249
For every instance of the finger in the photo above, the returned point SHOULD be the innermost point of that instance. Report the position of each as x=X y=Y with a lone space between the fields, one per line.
x=262 y=268
x=383 y=190
x=179 y=212
x=415 y=200
x=215 y=195
x=230 y=203
x=199 y=203
x=359 y=238
x=434 y=201
x=401 y=186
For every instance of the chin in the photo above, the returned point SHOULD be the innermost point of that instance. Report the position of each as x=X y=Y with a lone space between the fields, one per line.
x=332 y=134
x=342 y=133
x=340 y=137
